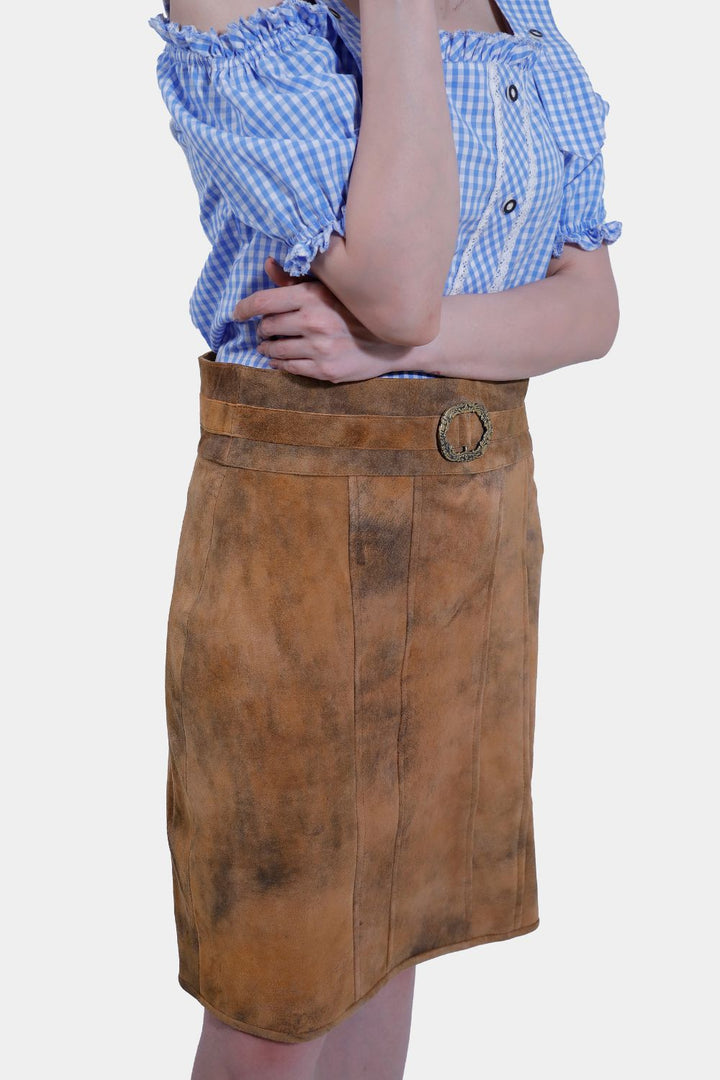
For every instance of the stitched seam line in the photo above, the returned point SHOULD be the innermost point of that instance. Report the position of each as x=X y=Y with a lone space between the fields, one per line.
x=181 y=710
x=480 y=701
x=391 y=417
x=410 y=596
x=340 y=472
x=352 y=530
x=369 y=449
x=522 y=827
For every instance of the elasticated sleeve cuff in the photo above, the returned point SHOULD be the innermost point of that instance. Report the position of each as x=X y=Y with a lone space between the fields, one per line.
x=587 y=235
x=583 y=220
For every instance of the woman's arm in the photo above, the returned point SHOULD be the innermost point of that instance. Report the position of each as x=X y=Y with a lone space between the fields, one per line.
x=570 y=316
x=403 y=202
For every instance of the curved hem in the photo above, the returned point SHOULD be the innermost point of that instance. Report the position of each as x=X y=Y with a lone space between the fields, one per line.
x=284 y=1037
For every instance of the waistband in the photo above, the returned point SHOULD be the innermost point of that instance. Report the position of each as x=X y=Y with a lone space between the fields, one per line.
x=272 y=421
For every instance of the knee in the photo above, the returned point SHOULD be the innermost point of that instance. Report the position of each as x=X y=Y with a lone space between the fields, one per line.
x=248 y=1057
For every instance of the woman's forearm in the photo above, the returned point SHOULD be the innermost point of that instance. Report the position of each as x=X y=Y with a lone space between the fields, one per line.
x=567 y=318
x=403 y=201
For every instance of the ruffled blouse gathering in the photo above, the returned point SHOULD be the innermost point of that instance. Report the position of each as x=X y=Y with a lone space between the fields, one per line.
x=268 y=115
x=265 y=30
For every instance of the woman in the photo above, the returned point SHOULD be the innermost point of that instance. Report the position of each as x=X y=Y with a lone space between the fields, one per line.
x=352 y=641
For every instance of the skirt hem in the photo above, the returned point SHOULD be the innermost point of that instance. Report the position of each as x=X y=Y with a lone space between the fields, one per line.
x=307 y=1036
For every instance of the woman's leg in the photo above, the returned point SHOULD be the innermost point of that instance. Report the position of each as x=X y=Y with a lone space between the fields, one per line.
x=226 y=1054
x=373 y=1041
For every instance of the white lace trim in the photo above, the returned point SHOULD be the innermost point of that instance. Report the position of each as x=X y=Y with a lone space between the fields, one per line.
x=501 y=272
x=496 y=92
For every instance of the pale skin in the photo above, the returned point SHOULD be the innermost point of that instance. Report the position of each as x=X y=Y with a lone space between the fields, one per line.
x=378 y=307
x=570 y=316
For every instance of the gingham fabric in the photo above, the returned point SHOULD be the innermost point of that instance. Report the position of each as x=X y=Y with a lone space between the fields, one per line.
x=268 y=115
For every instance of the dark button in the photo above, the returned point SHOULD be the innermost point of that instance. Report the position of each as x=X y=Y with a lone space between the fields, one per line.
x=335 y=13
x=535 y=33
x=510 y=206
x=512 y=92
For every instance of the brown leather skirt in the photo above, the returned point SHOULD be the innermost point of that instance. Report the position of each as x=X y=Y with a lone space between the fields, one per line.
x=351 y=667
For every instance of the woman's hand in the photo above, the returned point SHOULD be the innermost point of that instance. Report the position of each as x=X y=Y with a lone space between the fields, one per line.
x=305 y=330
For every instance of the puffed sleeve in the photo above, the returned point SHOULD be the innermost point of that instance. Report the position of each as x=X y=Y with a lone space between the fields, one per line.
x=268 y=122
x=576 y=112
x=583 y=219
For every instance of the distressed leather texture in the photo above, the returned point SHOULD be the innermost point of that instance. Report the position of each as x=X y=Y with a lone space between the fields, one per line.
x=351 y=672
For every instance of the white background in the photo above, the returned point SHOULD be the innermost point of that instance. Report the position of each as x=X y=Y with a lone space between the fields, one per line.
x=102 y=248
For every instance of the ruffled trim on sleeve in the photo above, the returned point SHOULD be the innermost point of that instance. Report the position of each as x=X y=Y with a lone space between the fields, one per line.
x=305 y=248
x=264 y=29
x=456 y=46
x=587 y=235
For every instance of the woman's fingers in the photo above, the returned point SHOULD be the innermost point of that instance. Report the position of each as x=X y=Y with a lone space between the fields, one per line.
x=287 y=348
x=285 y=324
x=301 y=365
x=311 y=369
x=270 y=302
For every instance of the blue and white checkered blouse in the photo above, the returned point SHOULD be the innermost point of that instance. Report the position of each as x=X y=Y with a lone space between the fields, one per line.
x=268 y=115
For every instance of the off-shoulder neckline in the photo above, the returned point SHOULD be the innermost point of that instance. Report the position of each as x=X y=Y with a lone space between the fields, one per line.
x=446 y=35
x=521 y=48
x=261 y=15
x=279 y=27
x=248 y=34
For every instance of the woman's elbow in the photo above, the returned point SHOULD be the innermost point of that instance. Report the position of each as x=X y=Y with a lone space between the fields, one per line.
x=395 y=307
x=606 y=323
x=408 y=327
x=396 y=315
x=591 y=296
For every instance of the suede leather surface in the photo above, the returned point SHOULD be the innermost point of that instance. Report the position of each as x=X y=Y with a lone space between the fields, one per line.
x=351 y=670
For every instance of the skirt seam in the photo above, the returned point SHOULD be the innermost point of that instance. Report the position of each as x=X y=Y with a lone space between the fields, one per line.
x=356 y=472
x=415 y=511
x=477 y=733
x=352 y=516
x=522 y=827
x=220 y=484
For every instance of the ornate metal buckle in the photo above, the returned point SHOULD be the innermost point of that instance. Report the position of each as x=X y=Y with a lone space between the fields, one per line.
x=466 y=454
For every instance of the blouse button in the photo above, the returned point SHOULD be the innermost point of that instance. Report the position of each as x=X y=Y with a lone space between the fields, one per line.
x=510 y=206
x=512 y=92
x=334 y=12
x=535 y=33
